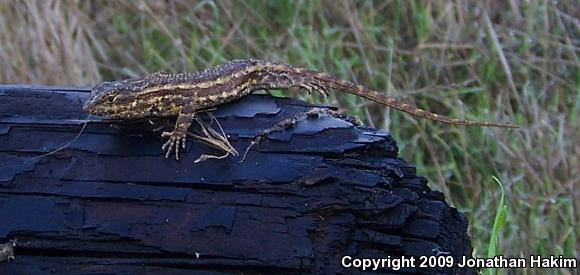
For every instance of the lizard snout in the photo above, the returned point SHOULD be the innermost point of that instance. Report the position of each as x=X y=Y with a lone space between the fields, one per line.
x=88 y=106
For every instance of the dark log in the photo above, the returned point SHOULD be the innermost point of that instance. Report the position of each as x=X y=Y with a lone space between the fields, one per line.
x=303 y=199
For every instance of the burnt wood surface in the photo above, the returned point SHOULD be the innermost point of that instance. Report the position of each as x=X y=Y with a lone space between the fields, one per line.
x=111 y=203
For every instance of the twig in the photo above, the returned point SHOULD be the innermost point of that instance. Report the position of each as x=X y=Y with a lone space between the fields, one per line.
x=214 y=139
x=7 y=251
x=67 y=144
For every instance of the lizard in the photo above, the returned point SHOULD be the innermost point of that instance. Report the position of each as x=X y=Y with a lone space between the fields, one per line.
x=182 y=95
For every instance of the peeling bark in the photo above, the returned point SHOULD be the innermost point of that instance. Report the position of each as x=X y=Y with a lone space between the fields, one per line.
x=301 y=200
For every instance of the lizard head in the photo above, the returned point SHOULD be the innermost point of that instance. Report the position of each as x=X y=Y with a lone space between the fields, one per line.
x=116 y=99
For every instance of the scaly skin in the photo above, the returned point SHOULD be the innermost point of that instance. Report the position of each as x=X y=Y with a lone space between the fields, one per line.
x=181 y=95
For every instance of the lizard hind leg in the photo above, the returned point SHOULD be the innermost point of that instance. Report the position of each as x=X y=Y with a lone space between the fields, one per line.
x=178 y=136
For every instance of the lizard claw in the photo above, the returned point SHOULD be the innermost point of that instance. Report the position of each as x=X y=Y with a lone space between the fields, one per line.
x=307 y=87
x=319 y=87
x=315 y=86
x=172 y=144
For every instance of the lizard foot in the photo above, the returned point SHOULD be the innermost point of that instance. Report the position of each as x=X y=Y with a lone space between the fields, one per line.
x=172 y=144
x=315 y=85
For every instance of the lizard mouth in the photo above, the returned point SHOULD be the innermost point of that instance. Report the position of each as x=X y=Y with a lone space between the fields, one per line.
x=93 y=108
x=111 y=112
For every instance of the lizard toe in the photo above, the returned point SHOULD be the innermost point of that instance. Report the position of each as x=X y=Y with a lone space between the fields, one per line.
x=176 y=148
x=307 y=88
x=319 y=87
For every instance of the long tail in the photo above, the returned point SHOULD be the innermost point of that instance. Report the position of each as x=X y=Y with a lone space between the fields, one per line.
x=362 y=91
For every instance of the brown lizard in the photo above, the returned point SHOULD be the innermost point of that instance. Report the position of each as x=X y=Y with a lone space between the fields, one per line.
x=181 y=95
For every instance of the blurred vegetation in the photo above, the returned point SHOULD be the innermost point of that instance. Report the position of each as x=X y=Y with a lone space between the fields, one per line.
x=509 y=61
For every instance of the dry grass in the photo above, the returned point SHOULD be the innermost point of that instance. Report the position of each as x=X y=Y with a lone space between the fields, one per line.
x=511 y=61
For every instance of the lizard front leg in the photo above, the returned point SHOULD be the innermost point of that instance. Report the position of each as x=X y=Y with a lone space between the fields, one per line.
x=179 y=133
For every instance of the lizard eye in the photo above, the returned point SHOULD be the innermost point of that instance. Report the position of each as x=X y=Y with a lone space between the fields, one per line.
x=111 y=98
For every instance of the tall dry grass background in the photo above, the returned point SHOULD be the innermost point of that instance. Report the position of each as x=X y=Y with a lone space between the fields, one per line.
x=510 y=61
